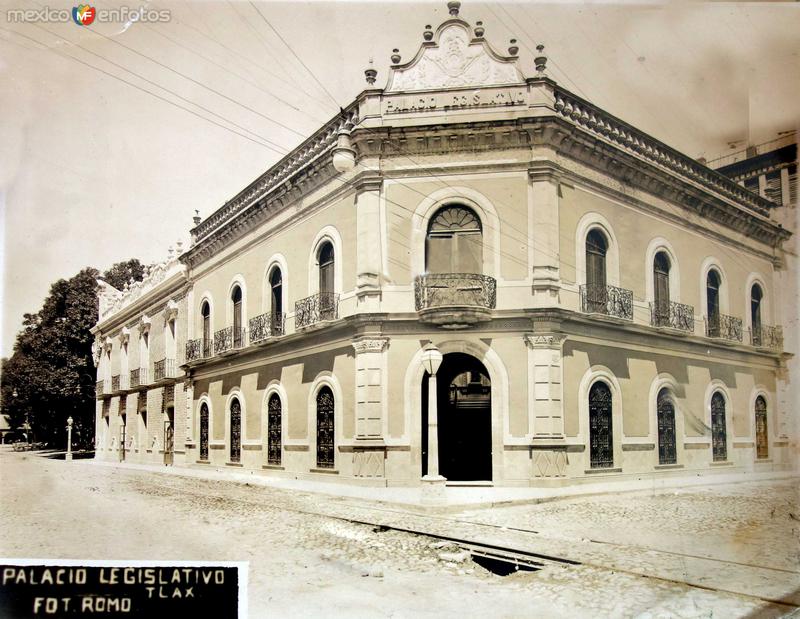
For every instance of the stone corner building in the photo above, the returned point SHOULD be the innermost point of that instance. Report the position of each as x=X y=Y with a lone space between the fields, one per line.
x=603 y=305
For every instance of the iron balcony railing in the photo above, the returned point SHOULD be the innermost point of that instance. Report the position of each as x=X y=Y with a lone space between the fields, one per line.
x=724 y=327
x=198 y=349
x=672 y=315
x=100 y=388
x=228 y=339
x=138 y=378
x=766 y=336
x=115 y=382
x=163 y=369
x=266 y=326
x=316 y=308
x=608 y=300
x=124 y=381
x=454 y=290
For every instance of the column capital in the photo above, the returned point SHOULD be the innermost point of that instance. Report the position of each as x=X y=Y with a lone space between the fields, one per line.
x=371 y=344
x=544 y=340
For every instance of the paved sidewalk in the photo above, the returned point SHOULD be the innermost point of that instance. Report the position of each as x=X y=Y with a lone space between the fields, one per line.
x=459 y=497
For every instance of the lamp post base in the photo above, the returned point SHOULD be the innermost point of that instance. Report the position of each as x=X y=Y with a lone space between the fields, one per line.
x=69 y=456
x=433 y=490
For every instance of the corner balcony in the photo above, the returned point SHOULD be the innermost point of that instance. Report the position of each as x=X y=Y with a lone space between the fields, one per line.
x=266 y=326
x=315 y=309
x=198 y=349
x=164 y=369
x=607 y=300
x=724 y=327
x=138 y=378
x=765 y=336
x=228 y=340
x=672 y=316
x=455 y=300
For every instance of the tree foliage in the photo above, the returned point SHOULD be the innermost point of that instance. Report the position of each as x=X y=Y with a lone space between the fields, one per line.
x=50 y=375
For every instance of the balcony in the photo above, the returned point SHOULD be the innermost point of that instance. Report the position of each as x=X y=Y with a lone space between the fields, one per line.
x=673 y=316
x=266 y=326
x=198 y=349
x=607 y=300
x=115 y=383
x=228 y=339
x=765 y=336
x=100 y=388
x=163 y=369
x=454 y=300
x=138 y=378
x=315 y=309
x=724 y=327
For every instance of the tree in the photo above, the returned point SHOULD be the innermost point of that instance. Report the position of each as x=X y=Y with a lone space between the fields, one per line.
x=51 y=370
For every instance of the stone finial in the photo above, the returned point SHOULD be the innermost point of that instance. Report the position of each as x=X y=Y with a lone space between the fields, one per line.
x=540 y=61
x=395 y=56
x=370 y=73
x=428 y=34
x=179 y=248
x=196 y=218
x=513 y=49
x=170 y=252
x=479 y=30
x=453 y=7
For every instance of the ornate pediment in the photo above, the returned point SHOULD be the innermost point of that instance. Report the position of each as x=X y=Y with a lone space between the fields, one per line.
x=455 y=58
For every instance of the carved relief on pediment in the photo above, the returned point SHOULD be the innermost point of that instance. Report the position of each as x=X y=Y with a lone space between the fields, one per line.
x=454 y=62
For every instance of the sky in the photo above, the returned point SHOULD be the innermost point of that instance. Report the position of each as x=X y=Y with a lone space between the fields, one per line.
x=113 y=134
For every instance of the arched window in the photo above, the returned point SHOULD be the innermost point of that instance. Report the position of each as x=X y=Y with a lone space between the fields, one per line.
x=276 y=294
x=719 y=434
x=713 y=283
x=454 y=243
x=327 y=285
x=236 y=431
x=601 y=443
x=756 y=296
x=661 y=266
x=204 y=431
x=325 y=429
x=665 y=410
x=238 y=332
x=205 y=312
x=596 y=291
x=274 y=432
x=762 y=437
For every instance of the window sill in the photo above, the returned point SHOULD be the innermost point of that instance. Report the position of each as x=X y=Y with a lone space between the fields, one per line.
x=665 y=467
x=273 y=467
x=325 y=471
x=602 y=470
x=202 y=462
x=722 y=463
x=237 y=464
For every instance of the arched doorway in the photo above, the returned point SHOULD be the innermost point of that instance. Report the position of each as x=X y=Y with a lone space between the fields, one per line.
x=204 y=432
x=465 y=419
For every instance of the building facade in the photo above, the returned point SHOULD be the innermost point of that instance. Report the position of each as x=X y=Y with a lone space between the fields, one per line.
x=469 y=275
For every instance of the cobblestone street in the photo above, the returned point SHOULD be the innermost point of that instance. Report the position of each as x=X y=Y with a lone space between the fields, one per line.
x=305 y=559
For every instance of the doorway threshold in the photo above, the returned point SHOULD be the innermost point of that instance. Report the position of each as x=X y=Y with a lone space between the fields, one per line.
x=470 y=484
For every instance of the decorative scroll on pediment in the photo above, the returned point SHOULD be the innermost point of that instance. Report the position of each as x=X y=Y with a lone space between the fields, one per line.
x=454 y=60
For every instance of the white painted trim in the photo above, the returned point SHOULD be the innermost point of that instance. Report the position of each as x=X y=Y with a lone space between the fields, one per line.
x=236 y=280
x=325 y=378
x=276 y=260
x=274 y=387
x=592 y=375
x=666 y=381
x=328 y=233
x=498 y=376
x=591 y=221
x=452 y=196
x=766 y=313
x=656 y=245
x=206 y=297
x=235 y=392
x=714 y=386
x=709 y=263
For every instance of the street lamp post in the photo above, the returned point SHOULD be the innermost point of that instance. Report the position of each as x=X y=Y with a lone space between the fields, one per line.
x=433 y=484
x=69 y=438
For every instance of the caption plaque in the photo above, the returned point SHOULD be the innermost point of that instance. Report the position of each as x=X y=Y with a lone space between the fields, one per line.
x=55 y=588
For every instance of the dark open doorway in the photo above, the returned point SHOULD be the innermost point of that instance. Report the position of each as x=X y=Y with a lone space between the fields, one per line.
x=465 y=419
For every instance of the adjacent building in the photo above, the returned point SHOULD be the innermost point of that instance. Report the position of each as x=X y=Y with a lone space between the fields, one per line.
x=470 y=275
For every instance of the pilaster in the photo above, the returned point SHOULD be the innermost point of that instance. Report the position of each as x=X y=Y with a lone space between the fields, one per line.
x=543 y=234
x=545 y=412
x=368 y=244
x=369 y=451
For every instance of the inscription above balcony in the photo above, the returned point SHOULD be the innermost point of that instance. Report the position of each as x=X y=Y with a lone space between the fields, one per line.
x=455 y=300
